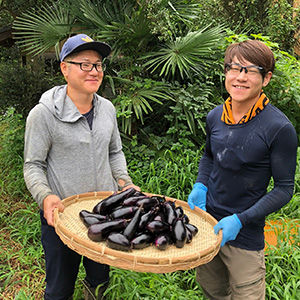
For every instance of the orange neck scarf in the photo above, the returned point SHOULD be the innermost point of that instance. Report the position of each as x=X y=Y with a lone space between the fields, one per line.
x=227 y=116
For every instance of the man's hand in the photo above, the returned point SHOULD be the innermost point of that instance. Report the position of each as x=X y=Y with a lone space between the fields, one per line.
x=231 y=226
x=197 y=197
x=122 y=182
x=50 y=203
x=137 y=188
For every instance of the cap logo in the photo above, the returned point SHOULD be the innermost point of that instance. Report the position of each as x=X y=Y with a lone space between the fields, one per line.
x=87 y=39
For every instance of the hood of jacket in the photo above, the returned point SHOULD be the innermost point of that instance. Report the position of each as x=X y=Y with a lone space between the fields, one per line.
x=60 y=104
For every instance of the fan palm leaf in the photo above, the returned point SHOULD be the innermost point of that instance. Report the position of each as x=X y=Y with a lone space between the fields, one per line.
x=130 y=36
x=105 y=12
x=188 y=55
x=138 y=98
x=39 y=30
x=185 y=12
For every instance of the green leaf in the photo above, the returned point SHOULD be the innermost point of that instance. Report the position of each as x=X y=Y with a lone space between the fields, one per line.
x=37 y=31
x=188 y=55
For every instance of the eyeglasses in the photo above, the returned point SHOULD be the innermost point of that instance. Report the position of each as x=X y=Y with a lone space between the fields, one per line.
x=249 y=70
x=88 y=67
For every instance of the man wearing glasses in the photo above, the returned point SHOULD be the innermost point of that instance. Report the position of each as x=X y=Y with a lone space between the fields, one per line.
x=248 y=142
x=73 y=146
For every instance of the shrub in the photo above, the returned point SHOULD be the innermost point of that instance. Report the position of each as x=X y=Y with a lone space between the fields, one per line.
x=11 y=153
x=21 y=86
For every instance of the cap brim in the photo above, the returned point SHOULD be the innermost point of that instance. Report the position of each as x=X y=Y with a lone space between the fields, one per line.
x=102 y=48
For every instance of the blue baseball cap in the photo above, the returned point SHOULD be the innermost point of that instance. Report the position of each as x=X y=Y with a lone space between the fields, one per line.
x=82 y=42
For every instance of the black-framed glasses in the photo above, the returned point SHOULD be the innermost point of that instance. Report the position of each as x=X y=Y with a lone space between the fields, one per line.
x=88 y=67
x=249 y=70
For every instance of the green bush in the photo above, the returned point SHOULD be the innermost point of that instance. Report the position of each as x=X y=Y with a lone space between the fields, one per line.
x=277 y=19
x=284 y=88
x=12 y=127
x=21 y=86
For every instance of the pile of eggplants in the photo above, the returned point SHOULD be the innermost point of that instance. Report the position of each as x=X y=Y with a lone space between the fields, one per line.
x=132 y=220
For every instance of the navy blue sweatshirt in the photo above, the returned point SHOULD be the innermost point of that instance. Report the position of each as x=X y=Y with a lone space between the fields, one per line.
x=237 y=165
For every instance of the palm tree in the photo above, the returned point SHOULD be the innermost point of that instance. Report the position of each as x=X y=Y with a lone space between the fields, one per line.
x=157 y=49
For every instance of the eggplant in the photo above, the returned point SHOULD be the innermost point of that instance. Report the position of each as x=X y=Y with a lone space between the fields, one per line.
x=159 y=217
x=185 y=219
x=162 y=241
x=192 y=228
x=189 y=236
x=99 y=232
x=157 y=226
x=97 y=207
x=88 y=221
x=179 y=211
x=110 y=203
x=147 y=217
x=179 y=233
x=172 y=203
x=142 y=241
x=133 y=200
x=160 y=199
x=132 y=226
x=85 y=213
x=123 y=212
x=138 y=194
x=147 y=202
x=170 y=211
x=118 y=241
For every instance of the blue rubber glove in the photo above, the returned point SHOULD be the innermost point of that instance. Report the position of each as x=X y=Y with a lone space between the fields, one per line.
x=197 y=197
x=231 y=226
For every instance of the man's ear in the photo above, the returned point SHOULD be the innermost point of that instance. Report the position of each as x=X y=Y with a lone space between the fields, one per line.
x=267 y=78
x=64 y=69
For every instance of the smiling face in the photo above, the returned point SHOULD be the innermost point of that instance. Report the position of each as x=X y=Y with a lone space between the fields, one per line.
x=82 y=82
x=243 y=88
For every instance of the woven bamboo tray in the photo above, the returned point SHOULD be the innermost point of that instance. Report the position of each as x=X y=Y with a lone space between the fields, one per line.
x=204 y=246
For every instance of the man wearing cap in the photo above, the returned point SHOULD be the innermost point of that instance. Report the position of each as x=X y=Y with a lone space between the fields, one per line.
x=73 y=146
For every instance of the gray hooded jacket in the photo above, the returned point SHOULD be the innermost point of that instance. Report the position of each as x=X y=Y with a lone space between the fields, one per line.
x=62 y=156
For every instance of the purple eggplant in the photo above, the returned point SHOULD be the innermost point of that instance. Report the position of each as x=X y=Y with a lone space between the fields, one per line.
x=110 y=203
x=170 y=212
x=179 y=233
x=97 y=207
x=160 y=199
x=157 y=227
x=133 y=200
x=147 y=203
x=99 y=232
x=85 y=213
x=192 y=228
x=88 y=221
x=159 y=217
x=163 y=241
x=132 y=226
x=179 y=211
x=185 y=219
x=123 y=212
x=118 y=241
x=147 y=217
x=172 y=203
x=138 y=194
x=142 y=241
x=189 y=236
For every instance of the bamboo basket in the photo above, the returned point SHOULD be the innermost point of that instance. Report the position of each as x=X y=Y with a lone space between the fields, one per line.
x=204 y=246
